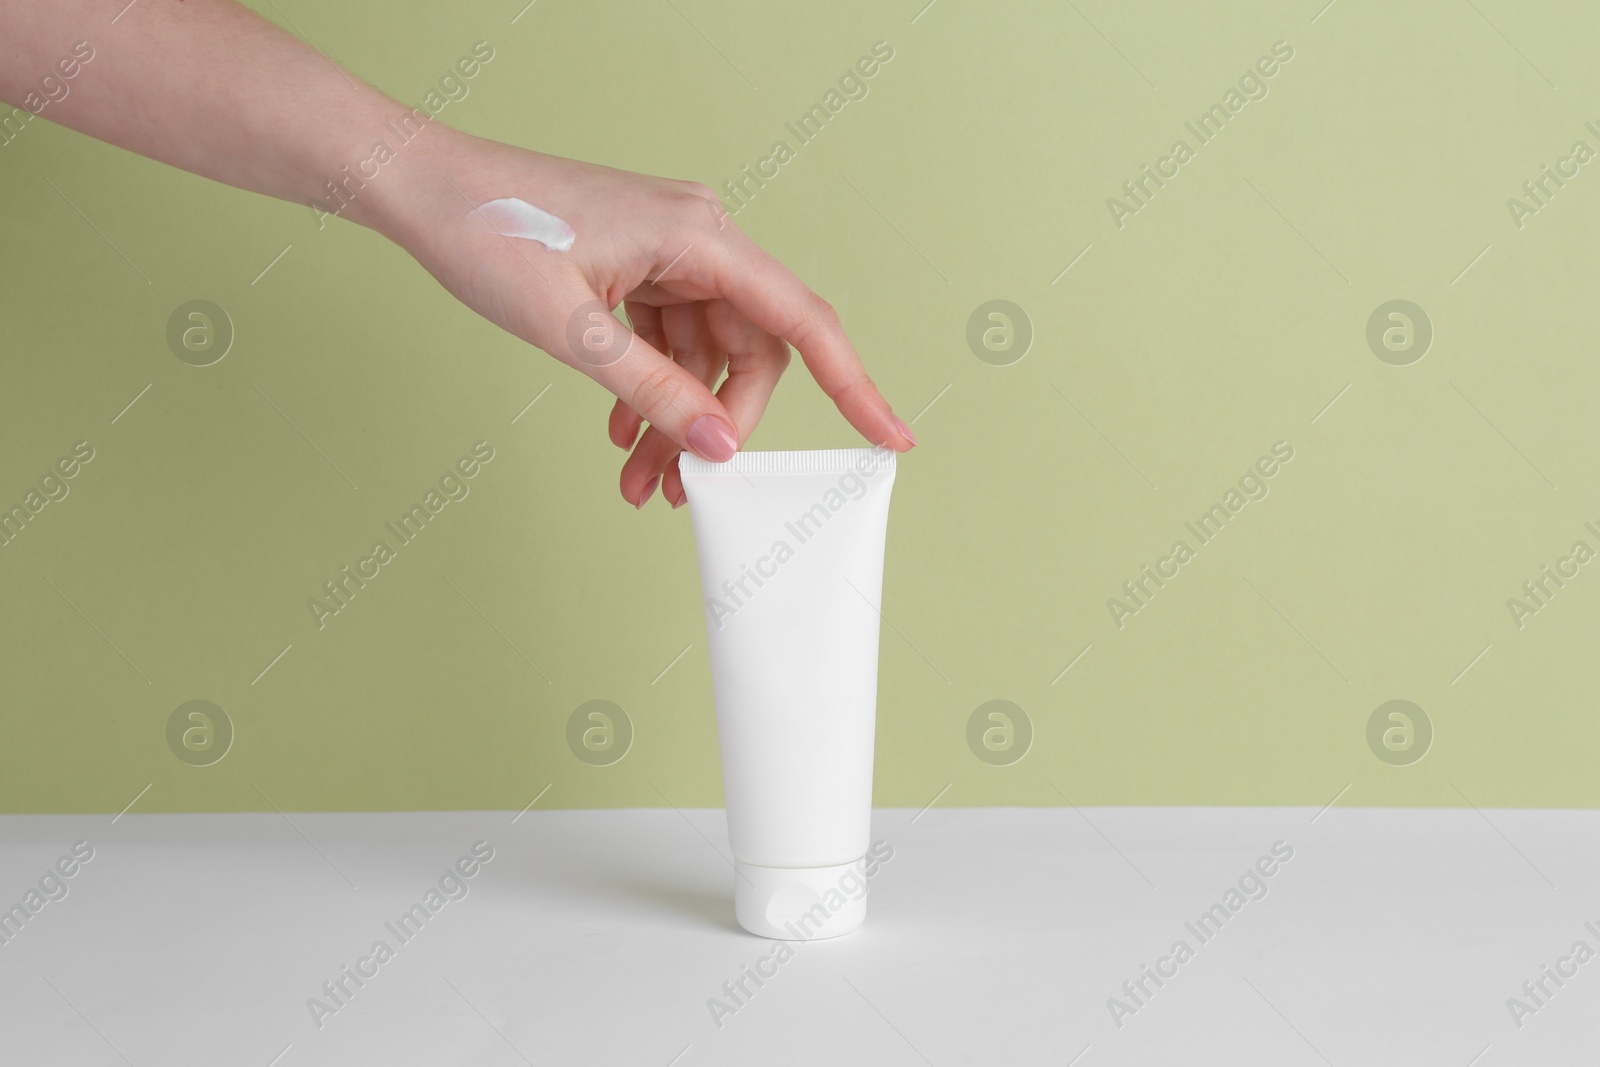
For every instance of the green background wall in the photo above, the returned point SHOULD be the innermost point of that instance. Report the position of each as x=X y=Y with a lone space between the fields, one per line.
x=1223 y=317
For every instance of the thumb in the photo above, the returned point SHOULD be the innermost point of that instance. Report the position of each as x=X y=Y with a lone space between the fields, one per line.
x=665 y=395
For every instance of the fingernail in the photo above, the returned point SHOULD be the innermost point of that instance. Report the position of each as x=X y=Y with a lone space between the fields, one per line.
x=649 y=487
x=905 y=431
x=683 y=498
x=712 y=439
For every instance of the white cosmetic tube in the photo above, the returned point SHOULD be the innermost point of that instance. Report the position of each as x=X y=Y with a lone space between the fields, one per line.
x=791 y=567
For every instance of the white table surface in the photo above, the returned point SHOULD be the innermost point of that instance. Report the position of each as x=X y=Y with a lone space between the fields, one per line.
x=994 y=936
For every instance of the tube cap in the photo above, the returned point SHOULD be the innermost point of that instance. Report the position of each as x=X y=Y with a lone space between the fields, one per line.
x=792 y=903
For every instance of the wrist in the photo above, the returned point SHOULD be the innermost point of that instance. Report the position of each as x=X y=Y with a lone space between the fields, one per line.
x=391 y=175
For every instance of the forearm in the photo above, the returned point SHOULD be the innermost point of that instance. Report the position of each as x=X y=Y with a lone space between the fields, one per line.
x=205 y=85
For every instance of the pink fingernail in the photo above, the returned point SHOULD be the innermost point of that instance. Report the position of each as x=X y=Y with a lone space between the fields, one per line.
x=683 y=499
x=905 y=431
x=649 y=487
x=712 y=439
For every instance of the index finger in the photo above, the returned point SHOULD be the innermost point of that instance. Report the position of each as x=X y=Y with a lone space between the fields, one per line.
x=778 y=302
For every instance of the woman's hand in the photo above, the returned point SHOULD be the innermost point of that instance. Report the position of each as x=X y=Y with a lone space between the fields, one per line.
x=209 y=86
x=701 y=297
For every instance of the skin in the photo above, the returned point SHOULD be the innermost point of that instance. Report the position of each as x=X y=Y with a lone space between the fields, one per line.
x=211 y=87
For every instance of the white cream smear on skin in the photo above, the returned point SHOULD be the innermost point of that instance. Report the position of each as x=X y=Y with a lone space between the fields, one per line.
x=518 y=218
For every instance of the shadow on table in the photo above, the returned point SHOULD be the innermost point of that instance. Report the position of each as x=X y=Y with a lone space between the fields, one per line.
x=695 y=905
